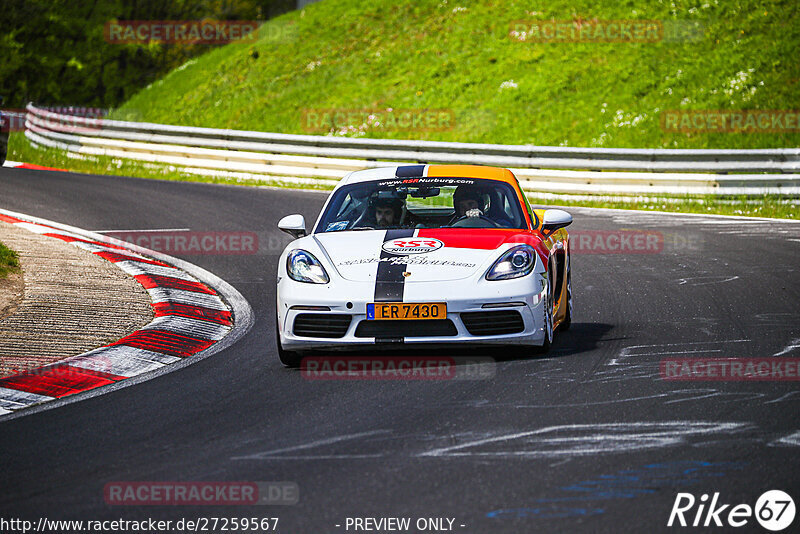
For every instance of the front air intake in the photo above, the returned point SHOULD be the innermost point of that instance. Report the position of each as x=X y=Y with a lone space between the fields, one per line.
x=327 y=325
x=493 y=323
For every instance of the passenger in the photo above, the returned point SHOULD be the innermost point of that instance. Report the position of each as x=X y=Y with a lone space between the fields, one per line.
x=467 y=201
x=470 y=201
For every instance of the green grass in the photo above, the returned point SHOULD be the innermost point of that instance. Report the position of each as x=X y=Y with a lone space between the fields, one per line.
x=9 y=261
x=456 y=55
x=459 y=56
x=765 y=206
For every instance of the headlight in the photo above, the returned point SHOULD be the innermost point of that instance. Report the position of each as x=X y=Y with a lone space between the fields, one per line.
x=515 y=262
x=302 y=266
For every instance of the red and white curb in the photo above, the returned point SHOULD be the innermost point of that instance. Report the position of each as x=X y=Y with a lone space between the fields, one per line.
x=196 y=314
x=32 y=166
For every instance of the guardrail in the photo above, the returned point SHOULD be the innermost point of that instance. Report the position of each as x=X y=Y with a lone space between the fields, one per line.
x=325 y=159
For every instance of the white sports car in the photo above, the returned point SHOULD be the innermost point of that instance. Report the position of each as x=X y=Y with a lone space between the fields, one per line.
x=424 y=254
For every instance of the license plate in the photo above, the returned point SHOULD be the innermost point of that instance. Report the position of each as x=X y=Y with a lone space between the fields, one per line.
x=406 y=310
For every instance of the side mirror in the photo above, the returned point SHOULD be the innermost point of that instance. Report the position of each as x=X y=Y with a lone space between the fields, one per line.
x=555 y=219
x=294 y=225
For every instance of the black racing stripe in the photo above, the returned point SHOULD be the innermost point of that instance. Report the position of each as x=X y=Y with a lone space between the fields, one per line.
x=389 y=280
x=410 y=171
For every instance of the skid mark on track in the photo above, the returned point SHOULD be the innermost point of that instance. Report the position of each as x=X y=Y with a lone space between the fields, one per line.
x=748 y=226
x=792 y=440
x=669 y=397
x=279 y=454
x=777 y=321
x=706 y=280
x=674 y=396
x=636 y=361
x=667 y=348
x=794 y=344
x=558 y=444
x=700 y=394
x=589 y=439
x=792 y=395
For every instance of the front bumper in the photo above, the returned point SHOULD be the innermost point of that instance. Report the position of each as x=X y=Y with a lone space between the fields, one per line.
x=523 y=295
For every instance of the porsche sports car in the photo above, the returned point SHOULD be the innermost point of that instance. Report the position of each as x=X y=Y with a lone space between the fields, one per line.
x=424 y=254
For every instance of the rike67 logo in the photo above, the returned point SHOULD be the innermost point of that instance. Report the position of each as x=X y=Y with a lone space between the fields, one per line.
x=774 y=511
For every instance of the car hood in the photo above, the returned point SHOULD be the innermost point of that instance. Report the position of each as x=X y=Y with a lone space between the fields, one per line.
x=429 y=255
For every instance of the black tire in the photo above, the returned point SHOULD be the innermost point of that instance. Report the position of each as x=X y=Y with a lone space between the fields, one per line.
x=568 y=319
x=289 y=358
x=548 y=320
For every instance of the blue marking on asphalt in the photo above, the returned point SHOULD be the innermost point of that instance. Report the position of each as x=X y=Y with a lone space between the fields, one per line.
x=624 y=484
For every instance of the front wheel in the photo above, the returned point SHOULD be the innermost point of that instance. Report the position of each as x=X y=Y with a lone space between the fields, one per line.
x=568 y=319
x=548 y=320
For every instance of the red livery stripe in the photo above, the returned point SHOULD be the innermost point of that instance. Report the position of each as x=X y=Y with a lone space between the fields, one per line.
x=486 y=239
x=193 y=312
x=153 y=280
x=59 y=380
x=165 y=342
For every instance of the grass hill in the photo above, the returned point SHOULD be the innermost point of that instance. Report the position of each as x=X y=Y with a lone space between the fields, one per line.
x=459 y=57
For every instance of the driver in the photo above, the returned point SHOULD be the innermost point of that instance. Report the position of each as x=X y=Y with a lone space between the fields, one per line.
x=387 y=212
x=468 y=201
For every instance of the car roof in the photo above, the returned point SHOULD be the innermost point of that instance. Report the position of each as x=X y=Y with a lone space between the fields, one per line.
x=430 y=171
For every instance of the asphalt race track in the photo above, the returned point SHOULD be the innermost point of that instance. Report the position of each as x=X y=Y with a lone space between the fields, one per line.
x=586 y=439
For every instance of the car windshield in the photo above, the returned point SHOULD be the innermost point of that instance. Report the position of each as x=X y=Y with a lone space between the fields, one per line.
x=423 y=203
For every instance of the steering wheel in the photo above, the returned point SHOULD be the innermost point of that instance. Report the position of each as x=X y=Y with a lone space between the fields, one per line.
x=469 y=222
x=360 y=220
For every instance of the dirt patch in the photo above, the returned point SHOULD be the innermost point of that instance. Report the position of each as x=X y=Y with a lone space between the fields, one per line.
x=12 y=288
